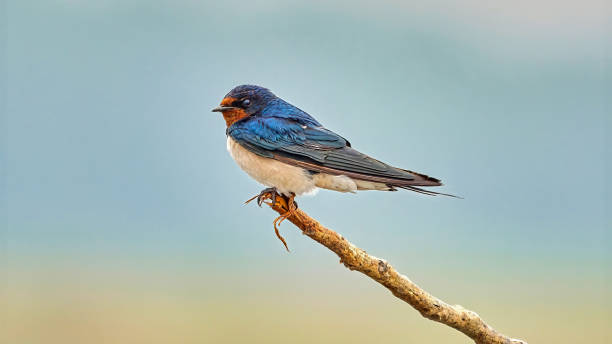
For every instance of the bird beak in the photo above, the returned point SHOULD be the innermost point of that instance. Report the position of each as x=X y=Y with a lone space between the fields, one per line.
x=223 y=108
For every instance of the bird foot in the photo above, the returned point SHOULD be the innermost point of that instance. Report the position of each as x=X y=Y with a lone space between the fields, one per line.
x=267 y=193
x=292 y=207
x=289 y=204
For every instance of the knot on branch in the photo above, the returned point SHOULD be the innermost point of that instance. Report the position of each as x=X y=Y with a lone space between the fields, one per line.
x=383 y=267
x=308 y=230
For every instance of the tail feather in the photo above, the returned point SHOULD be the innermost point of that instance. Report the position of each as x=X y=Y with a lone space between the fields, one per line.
x=425 y=192
x=432 y=181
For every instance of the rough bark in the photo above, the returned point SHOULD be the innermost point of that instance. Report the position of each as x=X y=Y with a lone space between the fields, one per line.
x=382 y=272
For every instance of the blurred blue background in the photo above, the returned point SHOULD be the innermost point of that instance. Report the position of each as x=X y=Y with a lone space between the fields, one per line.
x=122 y=213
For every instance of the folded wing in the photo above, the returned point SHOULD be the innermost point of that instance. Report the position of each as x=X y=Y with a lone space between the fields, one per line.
x=320 y=150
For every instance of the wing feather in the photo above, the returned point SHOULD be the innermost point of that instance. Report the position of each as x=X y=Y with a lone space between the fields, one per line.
x=319 y=150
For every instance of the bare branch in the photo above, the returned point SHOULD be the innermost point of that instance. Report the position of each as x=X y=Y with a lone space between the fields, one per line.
x=382 y=272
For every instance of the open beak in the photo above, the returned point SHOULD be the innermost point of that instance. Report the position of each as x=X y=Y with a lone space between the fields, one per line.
x=223 y=108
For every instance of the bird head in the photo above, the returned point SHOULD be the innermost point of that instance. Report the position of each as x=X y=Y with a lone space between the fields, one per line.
x=244 y=101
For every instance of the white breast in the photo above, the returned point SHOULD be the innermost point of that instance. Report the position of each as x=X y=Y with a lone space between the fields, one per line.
x=269 y=172
x=289 y=179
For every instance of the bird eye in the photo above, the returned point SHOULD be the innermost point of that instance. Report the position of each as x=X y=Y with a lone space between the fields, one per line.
x=246 y=102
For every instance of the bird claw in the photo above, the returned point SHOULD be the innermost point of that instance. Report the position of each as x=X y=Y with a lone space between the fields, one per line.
x=292 y=207
x=272 y=194
x=267 y=193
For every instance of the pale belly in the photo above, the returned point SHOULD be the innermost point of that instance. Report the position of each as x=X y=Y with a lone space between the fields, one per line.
x=289 y=179
x=285 y=178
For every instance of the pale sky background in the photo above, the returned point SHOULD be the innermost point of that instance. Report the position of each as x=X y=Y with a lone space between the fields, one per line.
x=116 y=184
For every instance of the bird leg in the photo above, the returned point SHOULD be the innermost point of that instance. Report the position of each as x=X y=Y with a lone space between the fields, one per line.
x=292 y=207
x=267 y=193
x=271 y=194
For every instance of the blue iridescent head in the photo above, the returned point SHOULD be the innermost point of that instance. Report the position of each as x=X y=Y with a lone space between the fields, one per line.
x=248 y=98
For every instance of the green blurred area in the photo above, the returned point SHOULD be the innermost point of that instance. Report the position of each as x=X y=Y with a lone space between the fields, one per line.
x=122 y=215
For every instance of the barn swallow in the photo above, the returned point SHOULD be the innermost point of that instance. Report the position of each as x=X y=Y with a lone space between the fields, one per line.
x=290 y=152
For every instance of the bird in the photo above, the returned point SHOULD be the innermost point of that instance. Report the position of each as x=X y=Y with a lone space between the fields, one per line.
x=292 y=154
